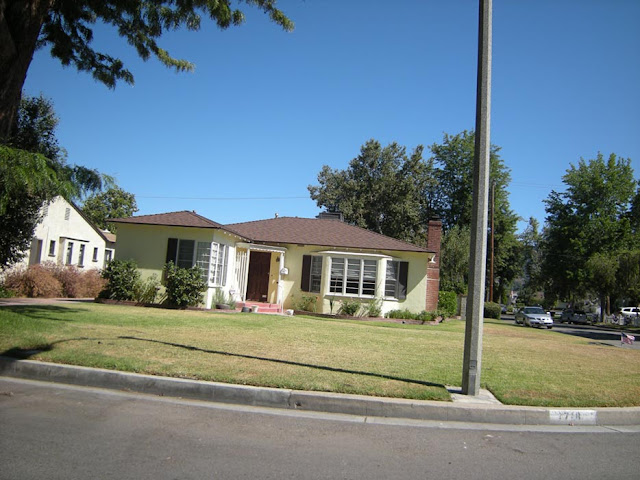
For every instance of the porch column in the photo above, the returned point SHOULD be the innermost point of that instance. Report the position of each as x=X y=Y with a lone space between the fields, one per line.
x=280 y=290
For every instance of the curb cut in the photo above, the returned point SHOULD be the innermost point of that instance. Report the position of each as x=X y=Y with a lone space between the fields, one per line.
x=467 y=412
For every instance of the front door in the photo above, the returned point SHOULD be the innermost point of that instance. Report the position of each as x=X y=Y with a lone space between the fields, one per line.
x=258 y=281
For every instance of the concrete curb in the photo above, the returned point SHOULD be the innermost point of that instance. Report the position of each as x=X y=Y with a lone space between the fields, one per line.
x=468 y=412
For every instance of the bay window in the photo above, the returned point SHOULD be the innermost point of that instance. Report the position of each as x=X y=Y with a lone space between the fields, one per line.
x=353 y=276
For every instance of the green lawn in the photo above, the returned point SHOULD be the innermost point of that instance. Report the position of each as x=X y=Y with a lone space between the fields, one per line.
x=520 y=366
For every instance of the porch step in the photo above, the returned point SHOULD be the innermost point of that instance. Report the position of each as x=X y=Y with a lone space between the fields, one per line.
x=262 y=307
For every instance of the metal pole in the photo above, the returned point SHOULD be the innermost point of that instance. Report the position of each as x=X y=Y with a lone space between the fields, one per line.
x=478 y=260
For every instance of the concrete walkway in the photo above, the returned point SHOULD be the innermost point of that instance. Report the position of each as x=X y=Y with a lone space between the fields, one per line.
x=481 y=409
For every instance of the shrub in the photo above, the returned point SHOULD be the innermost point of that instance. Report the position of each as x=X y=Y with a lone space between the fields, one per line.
x=5 y=292
x=426 y=316
x=447 y=303
x=71 y=279
x=77 y=283
x=121 y=277
x=146 y=291
x=401 y=314
x=92 y=283
x=372 y=309
x=184 y=285
x=492 y=310
x=306 y=303
x=220 y=298
x=35 y=281
x=349 y=307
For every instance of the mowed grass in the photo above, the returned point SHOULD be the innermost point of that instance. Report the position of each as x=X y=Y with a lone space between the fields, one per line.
x=520 y=366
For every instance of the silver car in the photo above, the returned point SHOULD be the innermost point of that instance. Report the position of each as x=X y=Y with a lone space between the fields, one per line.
x=534 y=317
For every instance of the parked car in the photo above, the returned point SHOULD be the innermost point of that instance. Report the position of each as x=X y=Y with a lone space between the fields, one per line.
x=570 y=315
x=630 y=311
x=631 y=315
x=534 y=317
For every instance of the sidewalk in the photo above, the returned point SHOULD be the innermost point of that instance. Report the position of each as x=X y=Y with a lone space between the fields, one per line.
x=481 y=409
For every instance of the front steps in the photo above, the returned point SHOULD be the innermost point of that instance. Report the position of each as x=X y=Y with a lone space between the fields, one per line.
x=262 y=307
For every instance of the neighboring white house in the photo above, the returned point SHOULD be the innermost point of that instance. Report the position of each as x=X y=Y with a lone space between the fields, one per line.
x=66 y=236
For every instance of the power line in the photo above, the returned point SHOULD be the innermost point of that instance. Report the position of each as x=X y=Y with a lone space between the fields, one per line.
x=218 y=198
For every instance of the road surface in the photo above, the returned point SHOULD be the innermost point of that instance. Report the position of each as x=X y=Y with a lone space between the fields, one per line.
x=65 y=432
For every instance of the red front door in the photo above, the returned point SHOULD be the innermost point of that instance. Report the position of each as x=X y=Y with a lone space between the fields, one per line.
x=258 y=281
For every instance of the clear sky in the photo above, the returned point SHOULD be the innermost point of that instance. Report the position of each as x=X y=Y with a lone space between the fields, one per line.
x=243 y=136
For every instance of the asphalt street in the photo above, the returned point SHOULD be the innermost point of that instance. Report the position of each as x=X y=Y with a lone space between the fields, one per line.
x=66 y=432
x=595 y=335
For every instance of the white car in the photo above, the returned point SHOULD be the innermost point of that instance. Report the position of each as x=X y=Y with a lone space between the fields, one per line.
x=631 y=315
x=534 y=317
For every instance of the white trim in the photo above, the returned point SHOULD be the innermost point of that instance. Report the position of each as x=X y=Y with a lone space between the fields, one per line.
x=352 y=254
x=261 y=248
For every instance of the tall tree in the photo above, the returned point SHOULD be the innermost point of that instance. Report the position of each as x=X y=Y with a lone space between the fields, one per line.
x=66 y=26
x=383 y=190
x=112 y=203
x=453 y=160
x=454 y=259
x=592 y=216
x=33 y=170
x=532 y=279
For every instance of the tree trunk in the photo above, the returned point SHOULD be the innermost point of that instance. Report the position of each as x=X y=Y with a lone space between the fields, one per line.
x=20 y=24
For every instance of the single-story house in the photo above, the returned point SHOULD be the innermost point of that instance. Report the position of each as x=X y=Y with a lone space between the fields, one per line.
x=277 y=261
x=65 y=236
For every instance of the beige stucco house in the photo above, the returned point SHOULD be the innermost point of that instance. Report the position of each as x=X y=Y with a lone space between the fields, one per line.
x=65 y=236
x=277 y=260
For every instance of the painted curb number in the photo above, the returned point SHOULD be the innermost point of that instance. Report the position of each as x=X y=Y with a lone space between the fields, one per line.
x=581 y=417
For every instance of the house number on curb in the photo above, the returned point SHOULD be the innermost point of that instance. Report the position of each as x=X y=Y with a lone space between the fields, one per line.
x=584 y=417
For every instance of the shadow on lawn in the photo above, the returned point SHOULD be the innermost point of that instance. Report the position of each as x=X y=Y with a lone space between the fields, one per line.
x=42 y=312
x=288 y=362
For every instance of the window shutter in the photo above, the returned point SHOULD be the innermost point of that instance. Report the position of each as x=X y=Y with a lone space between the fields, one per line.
x=403 y=275
x=305 y=284
x=172 y=250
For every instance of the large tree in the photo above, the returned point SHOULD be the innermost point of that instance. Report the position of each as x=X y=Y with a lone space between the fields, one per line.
x=66 y=27
x=383 y=189
x=593 y=216
x=33 y=170
x=453 y=162
x=112 y=203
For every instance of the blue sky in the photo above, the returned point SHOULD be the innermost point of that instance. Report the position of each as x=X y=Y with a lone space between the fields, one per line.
x=243 y=136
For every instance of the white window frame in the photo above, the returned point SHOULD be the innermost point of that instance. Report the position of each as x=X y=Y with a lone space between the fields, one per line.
x=219 y=264
x=81 y=252
x=342 y=283
x=69 y=254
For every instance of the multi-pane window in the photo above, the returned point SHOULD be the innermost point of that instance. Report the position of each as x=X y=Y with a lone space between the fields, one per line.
x=337 y=275
x=69 y=253
x=219 y=260
x=391 y=279
x=212 y=258
x=185 y=253
x=316 y=274
x=203 y=258
x=395 y=281
x=353 y=276
x=81 y=255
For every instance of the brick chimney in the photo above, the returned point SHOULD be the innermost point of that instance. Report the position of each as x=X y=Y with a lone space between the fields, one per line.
x=434 y=235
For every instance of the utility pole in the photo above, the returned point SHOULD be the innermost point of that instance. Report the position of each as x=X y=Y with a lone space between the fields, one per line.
x=478 y=260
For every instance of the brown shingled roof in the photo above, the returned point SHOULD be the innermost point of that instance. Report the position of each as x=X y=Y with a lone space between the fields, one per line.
x=184 y=218
x=321 y=232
